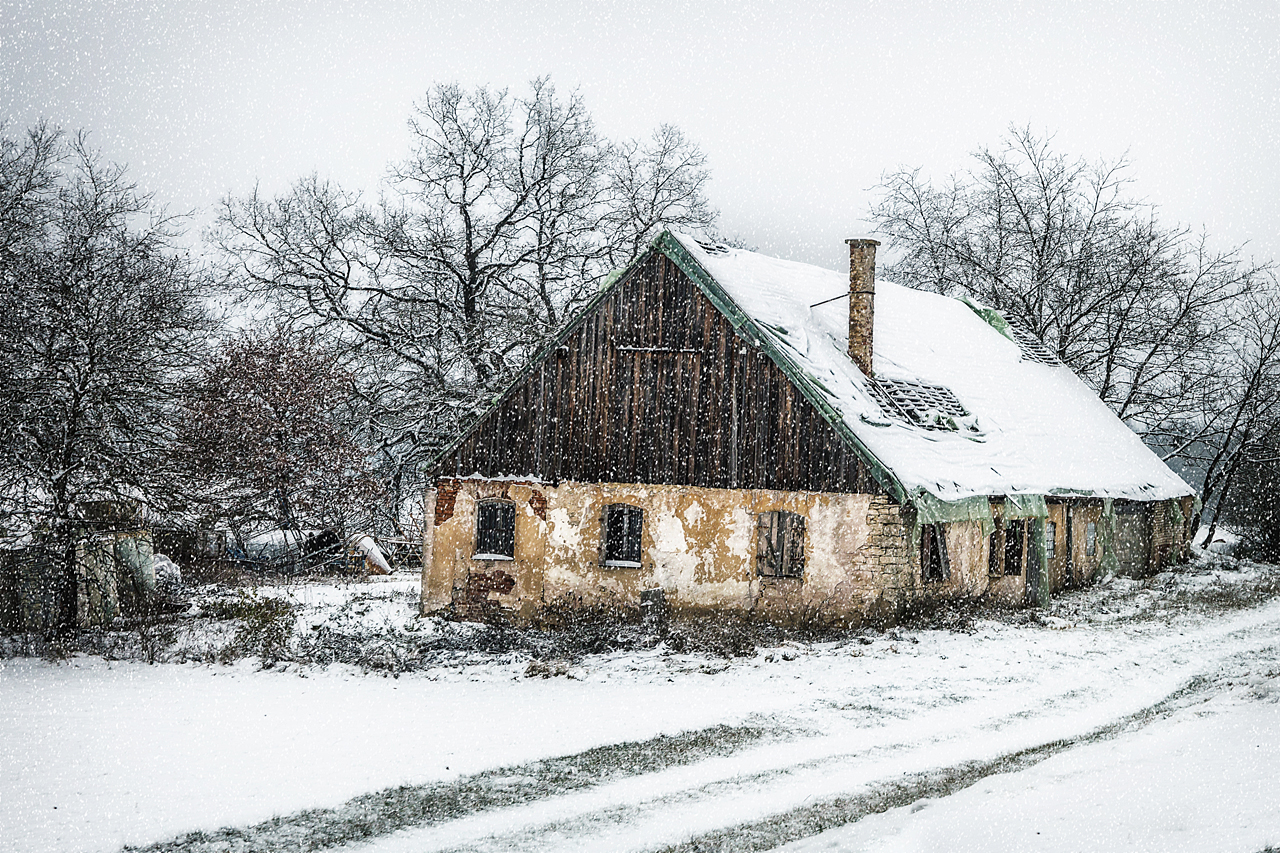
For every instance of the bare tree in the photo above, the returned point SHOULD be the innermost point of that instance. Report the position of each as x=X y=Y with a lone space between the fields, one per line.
x=505 y=218
x=1141 y=311
x=495 y=215
x=1235 y=438
x=101 y=318
x=654 y=184
x=267 y=437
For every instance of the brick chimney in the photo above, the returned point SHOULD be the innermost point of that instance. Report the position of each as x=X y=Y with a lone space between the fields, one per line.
x=862 y=300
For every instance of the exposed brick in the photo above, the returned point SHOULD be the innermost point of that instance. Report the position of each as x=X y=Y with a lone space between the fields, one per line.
x=476 y=602
x=538 y=502
x=446 y=495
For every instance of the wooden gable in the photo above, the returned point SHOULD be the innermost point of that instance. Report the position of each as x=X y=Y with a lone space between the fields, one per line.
x=654 y=386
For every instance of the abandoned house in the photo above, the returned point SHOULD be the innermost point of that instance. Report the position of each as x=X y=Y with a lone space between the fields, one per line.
x=751 y=434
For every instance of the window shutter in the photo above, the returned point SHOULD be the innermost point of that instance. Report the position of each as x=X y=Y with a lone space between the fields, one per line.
x=617 y=532
x=634 y=517
x=766 y=543
x=607 y=535
x=795 y=544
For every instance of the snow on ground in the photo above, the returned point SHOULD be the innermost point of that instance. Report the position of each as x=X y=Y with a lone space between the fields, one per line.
x=1162 y=708
x=1202 y=780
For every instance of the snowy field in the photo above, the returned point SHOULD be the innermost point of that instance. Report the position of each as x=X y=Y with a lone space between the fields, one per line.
x=1132 y=716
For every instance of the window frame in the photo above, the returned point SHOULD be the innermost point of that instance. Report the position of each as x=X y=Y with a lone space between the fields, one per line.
x=631 y=518
x=933 y=543
x=507 y=519
x=1091 y=539
x=780 y=544
x=1018 y=549
x=999 y=551
x=1051 y=539
x=995 y=549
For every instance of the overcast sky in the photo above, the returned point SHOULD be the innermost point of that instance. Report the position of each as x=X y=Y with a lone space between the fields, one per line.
x=799 y=106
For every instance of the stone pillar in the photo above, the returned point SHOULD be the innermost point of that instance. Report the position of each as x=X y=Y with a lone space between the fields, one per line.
x=862 y=298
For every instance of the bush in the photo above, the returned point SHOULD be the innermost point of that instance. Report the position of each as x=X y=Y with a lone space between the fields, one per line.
x=267 y=625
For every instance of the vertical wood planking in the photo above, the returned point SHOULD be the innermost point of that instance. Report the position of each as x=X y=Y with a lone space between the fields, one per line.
x=657 y=387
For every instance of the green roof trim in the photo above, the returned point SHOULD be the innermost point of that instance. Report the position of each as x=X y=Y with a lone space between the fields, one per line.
x=993 y=317
x=934 y=510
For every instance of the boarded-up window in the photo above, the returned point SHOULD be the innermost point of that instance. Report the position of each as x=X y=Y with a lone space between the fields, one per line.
x=934 y=564
x=622 y=526
x=1015 y=533
x=1051 y=539
x=1091 y=539
x=780 y=544
x=495 y=530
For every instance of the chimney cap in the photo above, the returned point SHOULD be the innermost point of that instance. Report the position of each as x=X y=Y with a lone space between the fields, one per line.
x=862 y=241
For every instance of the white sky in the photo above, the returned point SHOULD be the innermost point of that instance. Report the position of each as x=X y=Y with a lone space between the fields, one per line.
x=800 y=106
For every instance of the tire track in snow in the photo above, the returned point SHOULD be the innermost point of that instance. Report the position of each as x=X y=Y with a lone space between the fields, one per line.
x=608 y=828
x=809 y=820
x=383 y=812
x=573 y=802
x=596 y=822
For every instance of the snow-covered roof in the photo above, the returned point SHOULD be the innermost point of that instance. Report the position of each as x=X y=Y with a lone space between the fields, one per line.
x=1031 y=429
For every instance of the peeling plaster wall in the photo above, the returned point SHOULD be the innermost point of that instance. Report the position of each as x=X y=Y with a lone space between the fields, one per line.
x=967 y=549
x=697 y=544
x=1059 y=578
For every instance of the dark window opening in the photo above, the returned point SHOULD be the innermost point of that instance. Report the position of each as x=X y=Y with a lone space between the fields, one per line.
x=1091 y=539
x=780 y=544
x=622 y=527
x=1051 y=539
x=495 y=531
x=1014 y=536
x=1005 y=547
x=934 y=565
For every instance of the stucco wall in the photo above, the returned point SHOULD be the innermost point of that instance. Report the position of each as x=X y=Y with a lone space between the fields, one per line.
x=1059 y=565
x=698 y=545
x=967 y=549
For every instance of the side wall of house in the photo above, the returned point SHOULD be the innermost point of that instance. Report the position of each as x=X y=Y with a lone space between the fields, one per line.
x=1169 y=533
x=862 y=554
x=698 y=545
